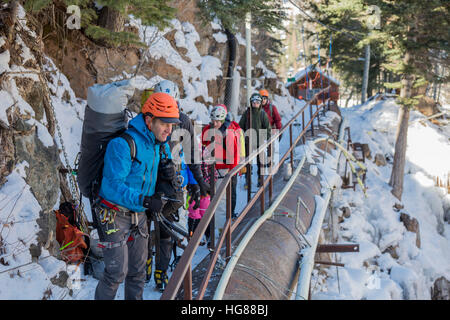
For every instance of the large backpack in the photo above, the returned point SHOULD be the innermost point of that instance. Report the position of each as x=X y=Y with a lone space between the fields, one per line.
x=105 y=118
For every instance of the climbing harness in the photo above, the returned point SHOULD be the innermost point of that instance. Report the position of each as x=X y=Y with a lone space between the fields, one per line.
x=107 y=212
x=107 y=218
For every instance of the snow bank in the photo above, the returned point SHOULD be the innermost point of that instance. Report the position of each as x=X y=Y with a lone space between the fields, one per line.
x=389 y=264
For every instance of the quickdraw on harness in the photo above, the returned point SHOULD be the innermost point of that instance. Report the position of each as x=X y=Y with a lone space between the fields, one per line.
x=107 y=214
x=107 y=217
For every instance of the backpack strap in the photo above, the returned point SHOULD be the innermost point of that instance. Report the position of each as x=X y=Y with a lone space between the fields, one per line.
x=132 y=144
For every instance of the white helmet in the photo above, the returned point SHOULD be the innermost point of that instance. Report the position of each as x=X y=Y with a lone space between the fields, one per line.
x=219 y=112
x=169 y=87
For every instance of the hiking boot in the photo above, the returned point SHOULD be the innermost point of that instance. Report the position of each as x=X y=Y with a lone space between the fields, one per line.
x=174 y=263
x=203 y=241
x=161 y=279
x=148 y=269
x=260 y=181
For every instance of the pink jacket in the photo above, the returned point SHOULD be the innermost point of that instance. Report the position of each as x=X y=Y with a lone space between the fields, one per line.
x=200 y=211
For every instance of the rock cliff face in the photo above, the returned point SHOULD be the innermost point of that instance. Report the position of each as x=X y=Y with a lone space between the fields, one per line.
x=86 y=63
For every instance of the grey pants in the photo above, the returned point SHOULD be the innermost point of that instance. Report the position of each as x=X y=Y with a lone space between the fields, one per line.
x=125 y=260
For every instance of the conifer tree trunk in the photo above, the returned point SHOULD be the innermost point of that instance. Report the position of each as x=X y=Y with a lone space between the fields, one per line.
x=111 y=19
x=232 y=48
x=398 y=169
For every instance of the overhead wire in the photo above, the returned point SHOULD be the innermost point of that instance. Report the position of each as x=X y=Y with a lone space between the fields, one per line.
x=344 y=31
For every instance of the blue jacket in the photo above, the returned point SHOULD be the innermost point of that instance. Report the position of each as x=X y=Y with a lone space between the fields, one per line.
x=126 y=182
x=185 y=172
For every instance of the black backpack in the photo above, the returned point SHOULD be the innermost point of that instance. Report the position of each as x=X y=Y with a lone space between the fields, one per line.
x=105 y=118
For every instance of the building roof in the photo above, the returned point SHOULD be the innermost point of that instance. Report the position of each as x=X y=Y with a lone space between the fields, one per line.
x=302 y=73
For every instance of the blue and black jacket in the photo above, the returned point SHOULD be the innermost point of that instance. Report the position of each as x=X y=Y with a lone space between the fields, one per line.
x=125 y=182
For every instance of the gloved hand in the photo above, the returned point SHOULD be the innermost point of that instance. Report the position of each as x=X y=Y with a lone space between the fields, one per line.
x=154 y=203
x=205 y=188
x=243 y=170
x=194 y=191
x=167 y=169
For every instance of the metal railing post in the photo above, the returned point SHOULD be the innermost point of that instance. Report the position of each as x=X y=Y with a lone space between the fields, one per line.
x=303 y=126
x=188 y=284
x=262 y=195
x=228 y=217
x=290 y=144
x=270 y=172
x=212 y=224
x=318 y=117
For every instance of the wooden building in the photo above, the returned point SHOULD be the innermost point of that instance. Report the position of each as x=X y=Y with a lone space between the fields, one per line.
x=308 y=82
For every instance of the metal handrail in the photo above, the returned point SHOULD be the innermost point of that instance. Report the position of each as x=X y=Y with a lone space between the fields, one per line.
x=183 y=271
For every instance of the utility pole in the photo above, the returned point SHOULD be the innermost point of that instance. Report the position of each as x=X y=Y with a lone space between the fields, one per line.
x=248 y=54
x=366 y=74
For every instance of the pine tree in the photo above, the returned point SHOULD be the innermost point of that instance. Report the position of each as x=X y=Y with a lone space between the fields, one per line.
x=345 y=23
x=266 y=15
x=110 y=27
x=415 y=34
x=151 y=12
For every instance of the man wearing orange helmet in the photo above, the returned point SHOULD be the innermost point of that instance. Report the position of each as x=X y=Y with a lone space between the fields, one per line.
x=128 y=187
x=271 y=110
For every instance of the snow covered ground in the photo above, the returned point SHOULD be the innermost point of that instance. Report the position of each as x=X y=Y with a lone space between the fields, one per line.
x=373 y=222
x=373 y=273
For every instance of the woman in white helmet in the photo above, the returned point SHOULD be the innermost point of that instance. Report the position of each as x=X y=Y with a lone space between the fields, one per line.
x=229 y=144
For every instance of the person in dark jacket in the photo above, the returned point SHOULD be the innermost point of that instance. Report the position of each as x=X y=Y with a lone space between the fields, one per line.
x=260 y=123
x=127 y=191
x=190 y=147
x=193 y=180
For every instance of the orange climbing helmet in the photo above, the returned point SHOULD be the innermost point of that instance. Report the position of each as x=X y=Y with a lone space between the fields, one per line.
x=162 y=106
x=264 y=93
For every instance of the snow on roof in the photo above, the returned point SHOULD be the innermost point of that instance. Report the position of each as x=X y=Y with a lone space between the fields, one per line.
x=301 y=74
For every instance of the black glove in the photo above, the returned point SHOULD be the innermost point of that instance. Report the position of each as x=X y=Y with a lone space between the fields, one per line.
x=154 y=203
x=167 y=169
x=205 y=188
x=194 y=191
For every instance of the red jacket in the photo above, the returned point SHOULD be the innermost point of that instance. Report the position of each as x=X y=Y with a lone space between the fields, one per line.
x=228 y=146
x=274 y=116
